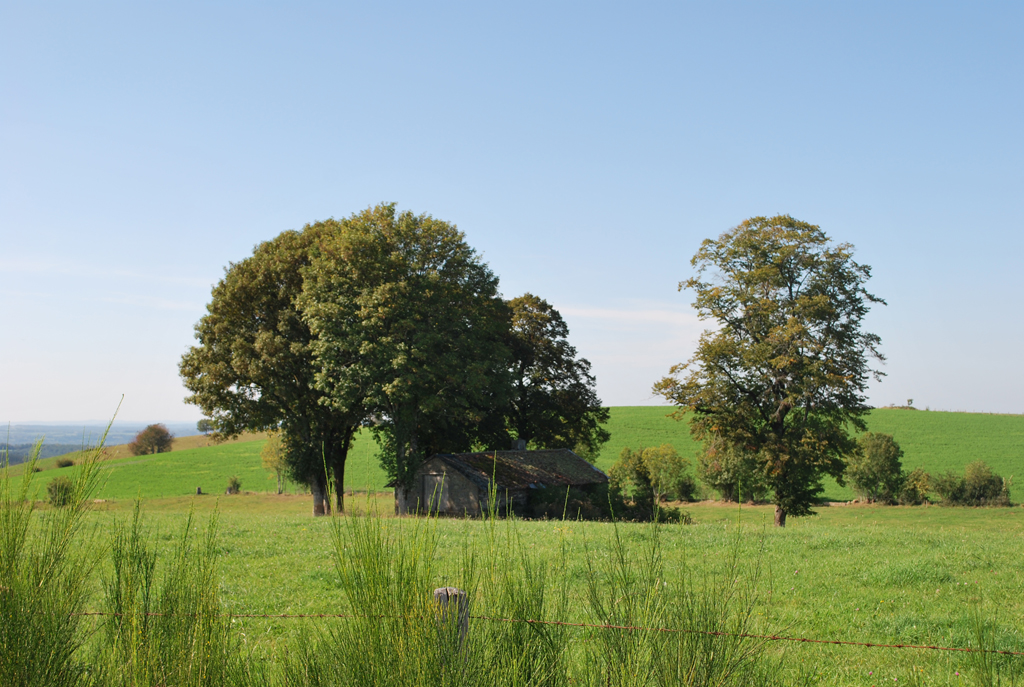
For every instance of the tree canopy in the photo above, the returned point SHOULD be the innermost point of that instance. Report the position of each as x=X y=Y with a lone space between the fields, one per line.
x=784 y=371
x=388 y=320
x=153 y=439
x=553 y=402
x=875 y=470
x=254 y=366
x=408 y=320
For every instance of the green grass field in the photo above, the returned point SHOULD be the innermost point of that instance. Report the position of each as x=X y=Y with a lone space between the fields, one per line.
x=893 y=575
x=936 y=441
x=853 y=573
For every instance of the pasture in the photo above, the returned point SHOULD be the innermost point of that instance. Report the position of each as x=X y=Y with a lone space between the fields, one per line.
x=909 y=575
x=886 y=575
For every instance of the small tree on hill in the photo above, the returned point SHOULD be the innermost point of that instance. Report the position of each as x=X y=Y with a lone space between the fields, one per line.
x=273 y=456
x=153 y=439
x=205 y=425
x=875 y=471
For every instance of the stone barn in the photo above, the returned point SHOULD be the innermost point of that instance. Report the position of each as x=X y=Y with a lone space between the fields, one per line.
x=461 y=483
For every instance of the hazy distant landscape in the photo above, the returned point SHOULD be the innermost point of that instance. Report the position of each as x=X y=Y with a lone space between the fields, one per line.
x=59 y=438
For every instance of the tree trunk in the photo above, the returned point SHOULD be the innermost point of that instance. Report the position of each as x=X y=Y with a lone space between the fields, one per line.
x=780 y=517
x=321 y=504
x=339 y=485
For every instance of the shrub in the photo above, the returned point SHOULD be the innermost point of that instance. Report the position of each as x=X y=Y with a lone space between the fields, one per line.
x=234 y=485
x=65 y=462
x=978 y=487
x=669 y=474
x=153 y=439
x=592 y=503
x=731 y=472
x=60 y=491
x=875 y=471
x=641 y=479
x=915 y=489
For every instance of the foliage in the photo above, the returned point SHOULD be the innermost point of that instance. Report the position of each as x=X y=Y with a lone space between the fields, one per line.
x=409 y=324
x=784 y=372
x=593 y=503
x=553 y=402
x=642 y=479
x=254 y=366
x=205 y=425
x=273 y=458
x=60 y=492
x=916 y=485
x=875 y=470
x=234 y=485
x=979 y=486
x=153 y=439
x=730 y=471
x=64 y=462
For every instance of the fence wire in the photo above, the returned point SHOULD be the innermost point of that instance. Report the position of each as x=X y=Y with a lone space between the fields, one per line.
x=597 y=626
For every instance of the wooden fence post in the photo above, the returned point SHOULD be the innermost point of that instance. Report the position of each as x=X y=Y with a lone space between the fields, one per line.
x=451 y=600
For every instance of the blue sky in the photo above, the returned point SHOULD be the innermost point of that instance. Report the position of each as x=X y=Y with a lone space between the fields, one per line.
x=584 y=148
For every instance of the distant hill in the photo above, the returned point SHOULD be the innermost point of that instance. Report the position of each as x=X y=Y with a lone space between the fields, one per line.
x=17 y=441
x=19 y=453
x=119 y=451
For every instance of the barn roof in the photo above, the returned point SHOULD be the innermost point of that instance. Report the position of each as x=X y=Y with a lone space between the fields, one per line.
x=525 y=469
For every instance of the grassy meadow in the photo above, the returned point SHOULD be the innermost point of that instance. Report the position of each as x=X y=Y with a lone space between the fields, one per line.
x=908 y=575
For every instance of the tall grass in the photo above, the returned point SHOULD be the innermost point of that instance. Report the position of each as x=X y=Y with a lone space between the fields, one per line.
x=682 y=631
x=985 y=667
x=44 y=575
x=397 y=636
x=170 y=631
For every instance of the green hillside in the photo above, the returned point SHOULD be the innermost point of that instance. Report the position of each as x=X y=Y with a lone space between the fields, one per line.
x=936 y=441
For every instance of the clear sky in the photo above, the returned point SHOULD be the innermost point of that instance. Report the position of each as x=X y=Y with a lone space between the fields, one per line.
x=584 y=148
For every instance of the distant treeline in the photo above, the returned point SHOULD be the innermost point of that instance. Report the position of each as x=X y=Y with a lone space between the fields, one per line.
x=19 y=453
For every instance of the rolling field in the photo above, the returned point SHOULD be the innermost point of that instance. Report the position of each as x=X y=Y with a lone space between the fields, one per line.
x=936 y=441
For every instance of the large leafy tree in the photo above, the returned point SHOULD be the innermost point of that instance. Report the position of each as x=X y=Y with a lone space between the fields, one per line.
x=254 y=367
x=784 y=372
x=553 y=403
x=407 y=319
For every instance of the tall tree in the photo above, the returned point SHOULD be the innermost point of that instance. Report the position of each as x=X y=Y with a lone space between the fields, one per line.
x=254 y=366
x=554 y=403
x=408 y=318
x=784 y=373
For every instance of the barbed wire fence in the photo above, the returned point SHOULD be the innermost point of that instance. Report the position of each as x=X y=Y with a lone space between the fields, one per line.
x=597 y=626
